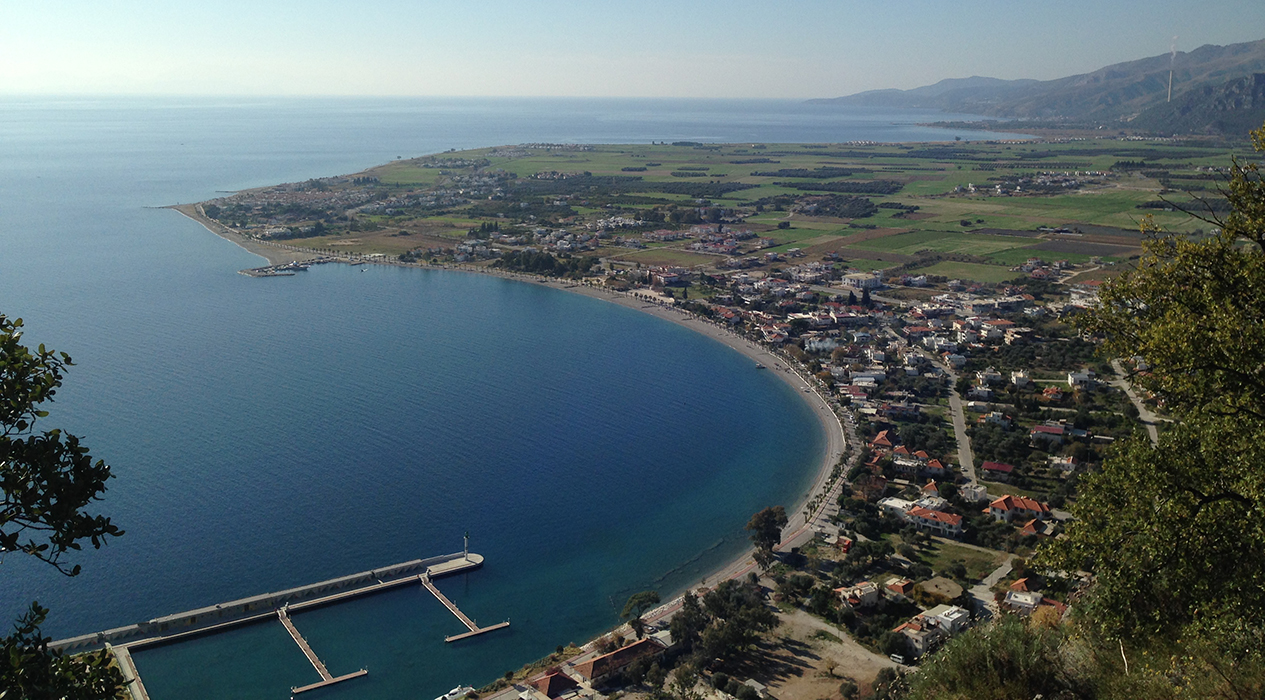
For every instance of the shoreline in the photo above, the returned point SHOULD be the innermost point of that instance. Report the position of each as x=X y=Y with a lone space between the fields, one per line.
x=275 y=255
x=798 y=525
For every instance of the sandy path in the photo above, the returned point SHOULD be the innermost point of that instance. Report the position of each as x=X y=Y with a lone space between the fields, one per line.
x=810 y=678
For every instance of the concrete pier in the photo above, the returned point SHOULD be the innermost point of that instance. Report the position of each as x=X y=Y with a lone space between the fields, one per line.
x=172 y=628
x=135 y=689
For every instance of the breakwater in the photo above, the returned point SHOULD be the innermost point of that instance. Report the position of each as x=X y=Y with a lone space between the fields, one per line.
x=170 y=628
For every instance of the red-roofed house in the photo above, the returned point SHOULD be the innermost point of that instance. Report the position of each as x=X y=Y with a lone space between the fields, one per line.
x=1049 y=434
x=602 y=668
x=944 y=523
x=1010 y=507
x=1037 y=528
x=901 y=587
x=552 y=685
x=997 y=471
x=854 y=392
x=881 y=441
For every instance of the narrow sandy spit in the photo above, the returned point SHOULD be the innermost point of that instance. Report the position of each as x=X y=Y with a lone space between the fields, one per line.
x=274 y=254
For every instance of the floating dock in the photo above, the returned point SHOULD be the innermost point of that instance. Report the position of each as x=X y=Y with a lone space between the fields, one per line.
x=475 y=630
x=327 y=678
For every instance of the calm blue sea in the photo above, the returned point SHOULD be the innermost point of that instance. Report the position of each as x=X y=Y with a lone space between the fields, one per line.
x=268 y=433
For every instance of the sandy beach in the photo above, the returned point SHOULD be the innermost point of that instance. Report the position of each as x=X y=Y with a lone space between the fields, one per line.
x=799 y=528
x=274 y=254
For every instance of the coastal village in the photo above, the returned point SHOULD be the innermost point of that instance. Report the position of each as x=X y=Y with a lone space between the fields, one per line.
x=973 y=412
x=970 y=407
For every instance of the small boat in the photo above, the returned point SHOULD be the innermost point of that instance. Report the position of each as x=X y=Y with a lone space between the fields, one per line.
x=759 y=366
x=455 y=693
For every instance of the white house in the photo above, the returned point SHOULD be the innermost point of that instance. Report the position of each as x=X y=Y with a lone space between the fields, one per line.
x=1022 y=602
x=896 y=506
x=1080 y=379
x=973 y=492
x=863 y=594
x=951 y=617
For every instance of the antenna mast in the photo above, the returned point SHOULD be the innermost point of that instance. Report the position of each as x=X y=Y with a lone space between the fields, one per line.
x=1172 y=60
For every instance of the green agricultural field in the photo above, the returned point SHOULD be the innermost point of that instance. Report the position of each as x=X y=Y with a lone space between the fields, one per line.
x=1018 y=256
x=943 y=242
x=928 y=174
x=968 y=271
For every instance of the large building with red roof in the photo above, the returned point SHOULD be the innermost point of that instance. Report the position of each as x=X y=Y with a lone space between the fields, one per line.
x=1010 y=507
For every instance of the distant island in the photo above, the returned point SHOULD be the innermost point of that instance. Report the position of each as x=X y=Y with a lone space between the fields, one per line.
x=1211 y=90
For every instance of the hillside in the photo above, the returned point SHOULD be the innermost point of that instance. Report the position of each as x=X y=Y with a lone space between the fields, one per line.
x=1237 y=106
x=1117 y=92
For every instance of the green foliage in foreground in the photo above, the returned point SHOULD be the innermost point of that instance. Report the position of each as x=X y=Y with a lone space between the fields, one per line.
x=28 y=669
x=1018 y=658
x=1008 y=659
x=47 y=479
x=1175 y=534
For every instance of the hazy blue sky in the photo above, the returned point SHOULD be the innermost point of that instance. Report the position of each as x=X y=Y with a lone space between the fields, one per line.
x=670 y=48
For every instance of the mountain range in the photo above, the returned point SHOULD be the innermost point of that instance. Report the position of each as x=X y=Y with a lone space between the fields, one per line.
x=1215 y=89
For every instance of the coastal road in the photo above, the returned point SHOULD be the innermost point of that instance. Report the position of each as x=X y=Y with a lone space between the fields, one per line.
x=1145 y=414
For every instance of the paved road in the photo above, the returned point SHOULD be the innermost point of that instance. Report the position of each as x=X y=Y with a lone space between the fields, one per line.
x=985 y=606
x=1148 y=417
x=965 y=456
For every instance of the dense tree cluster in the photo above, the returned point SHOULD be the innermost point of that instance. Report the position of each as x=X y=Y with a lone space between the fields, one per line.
x=824 y=173
x=845 y=207
x=542 y=263
x=849 y=186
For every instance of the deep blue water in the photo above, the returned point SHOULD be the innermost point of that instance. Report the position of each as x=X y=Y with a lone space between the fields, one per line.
x=268 y=433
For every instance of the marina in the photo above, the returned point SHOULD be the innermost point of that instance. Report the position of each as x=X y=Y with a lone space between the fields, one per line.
x=193 y=623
